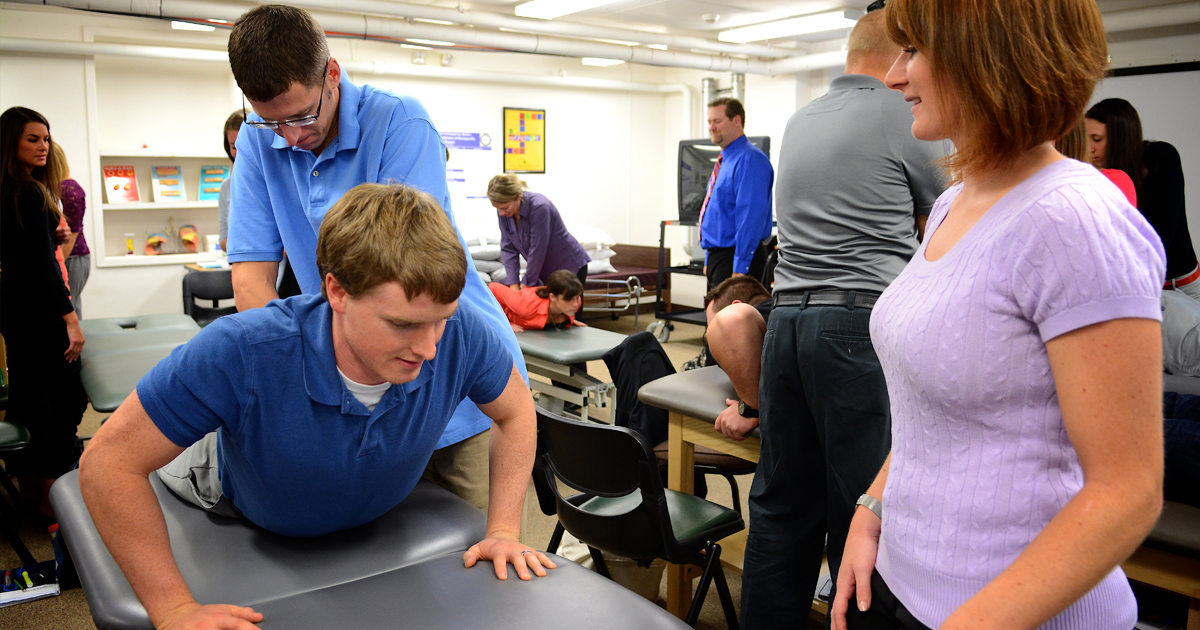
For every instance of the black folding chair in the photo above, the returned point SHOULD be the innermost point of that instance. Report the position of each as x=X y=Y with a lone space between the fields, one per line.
x=623 y=508
x=208 y=285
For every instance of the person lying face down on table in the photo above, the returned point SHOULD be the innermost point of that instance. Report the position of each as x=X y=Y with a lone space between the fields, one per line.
x=535 y=308
x=325 y=408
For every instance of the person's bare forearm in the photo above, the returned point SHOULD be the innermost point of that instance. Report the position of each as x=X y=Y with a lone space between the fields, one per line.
x=113 y=478
x=254 y=284
x=510 y=456
x=735 y=338
x=69 y=244
x=1094 y=532
x=130 y=521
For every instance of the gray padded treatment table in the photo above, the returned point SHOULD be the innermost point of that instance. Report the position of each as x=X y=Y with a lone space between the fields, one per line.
x=440 y=595
x=558 y=355
x=698 y=394
x=120 y=351
x=139 y=323
x=576 y=344
x=1177 y=530
x=1181 y=384
x=402 y=570
x=232 y=561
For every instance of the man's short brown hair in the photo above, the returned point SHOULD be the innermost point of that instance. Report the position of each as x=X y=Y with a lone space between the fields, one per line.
x=869 y=41
x=378 y=233
x=733 y=107
x=744 y=289
x=1010 y=76
x=273 y=46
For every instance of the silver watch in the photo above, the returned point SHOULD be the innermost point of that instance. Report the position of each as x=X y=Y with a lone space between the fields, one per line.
x=871 y=503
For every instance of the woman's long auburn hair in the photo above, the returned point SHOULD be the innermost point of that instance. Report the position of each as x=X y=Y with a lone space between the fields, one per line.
x=1010 y=76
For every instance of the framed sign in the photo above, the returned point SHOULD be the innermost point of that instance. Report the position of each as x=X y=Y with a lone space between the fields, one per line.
x=524 y=140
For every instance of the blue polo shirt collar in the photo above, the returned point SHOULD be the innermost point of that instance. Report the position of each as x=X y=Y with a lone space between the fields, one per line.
x=321 y=379
x=349 y=131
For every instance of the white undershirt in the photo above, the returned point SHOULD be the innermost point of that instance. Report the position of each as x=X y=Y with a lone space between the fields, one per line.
x=368 y=395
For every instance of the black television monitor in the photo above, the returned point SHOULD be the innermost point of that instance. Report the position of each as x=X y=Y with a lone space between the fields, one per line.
x=696 y=161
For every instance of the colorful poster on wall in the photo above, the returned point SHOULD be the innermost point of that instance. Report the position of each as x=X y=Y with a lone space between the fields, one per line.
x=120 y=184
x=524 y=140
x=167 y=184
x=211 y=178
x=470 y=166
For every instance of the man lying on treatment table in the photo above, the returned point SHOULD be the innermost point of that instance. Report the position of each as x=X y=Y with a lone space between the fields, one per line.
x=319 y=412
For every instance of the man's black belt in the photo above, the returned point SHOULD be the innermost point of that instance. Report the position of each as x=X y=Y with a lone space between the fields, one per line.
x=828 y=297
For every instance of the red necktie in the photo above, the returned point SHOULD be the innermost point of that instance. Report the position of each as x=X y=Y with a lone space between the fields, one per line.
x=711 y=180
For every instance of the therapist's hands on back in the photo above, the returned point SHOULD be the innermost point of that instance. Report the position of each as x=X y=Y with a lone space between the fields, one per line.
x=193 y=616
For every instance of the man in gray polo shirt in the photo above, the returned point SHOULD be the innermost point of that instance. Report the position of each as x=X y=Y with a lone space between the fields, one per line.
x=854 y=189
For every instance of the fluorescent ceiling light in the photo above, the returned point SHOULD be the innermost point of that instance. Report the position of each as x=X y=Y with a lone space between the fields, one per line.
x=816 y=23
x=601 y=62
x=657 y=46
x=429 y=21
x=188 y=26
x=429 y=42
x=550 y=9
x=410 y=46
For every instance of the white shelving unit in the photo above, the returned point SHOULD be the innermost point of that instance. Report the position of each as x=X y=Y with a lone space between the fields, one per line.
x=147 y=217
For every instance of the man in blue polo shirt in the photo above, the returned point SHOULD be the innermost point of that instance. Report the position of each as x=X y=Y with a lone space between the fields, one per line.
x=736 y=215
x=319 y=412
x=313 y=135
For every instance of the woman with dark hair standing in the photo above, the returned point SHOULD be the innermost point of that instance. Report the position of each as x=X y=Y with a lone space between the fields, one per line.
x=530 y=226
x=1115 y=140
x=551 y=306
x=40 y=328
x=1020 y=345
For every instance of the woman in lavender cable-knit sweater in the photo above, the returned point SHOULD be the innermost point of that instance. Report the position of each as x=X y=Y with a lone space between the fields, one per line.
x=1020 y=345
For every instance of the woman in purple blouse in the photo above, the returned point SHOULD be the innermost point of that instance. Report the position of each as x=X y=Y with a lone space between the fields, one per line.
x=78 y=256
x=1021 y=345
x=530 y=226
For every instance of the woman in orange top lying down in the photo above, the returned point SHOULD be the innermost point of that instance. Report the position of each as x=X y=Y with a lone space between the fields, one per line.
x=551 y=306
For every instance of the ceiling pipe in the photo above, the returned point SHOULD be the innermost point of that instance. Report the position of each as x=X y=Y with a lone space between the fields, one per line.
x=543 y=27
x=370 y=26
x=54 y=47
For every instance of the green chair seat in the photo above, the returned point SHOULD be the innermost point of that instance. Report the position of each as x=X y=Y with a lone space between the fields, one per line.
x=13 y=435
x=690 y=515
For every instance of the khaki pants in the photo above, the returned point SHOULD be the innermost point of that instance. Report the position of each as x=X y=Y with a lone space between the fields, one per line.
x=462 y=468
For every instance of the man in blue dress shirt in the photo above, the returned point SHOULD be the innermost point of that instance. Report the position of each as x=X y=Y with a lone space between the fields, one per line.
x=736 y=216
x=314 y=135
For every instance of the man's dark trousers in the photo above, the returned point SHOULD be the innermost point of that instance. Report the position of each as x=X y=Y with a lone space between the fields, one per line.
x=825 y=433
x=719 y=264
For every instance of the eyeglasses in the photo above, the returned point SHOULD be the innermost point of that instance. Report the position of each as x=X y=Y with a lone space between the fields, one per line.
x=877 y=5
x=302 y=121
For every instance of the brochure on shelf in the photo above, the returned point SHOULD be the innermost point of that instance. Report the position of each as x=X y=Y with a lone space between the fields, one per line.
x=211 y=178
x=167 y=183
x=120 y=184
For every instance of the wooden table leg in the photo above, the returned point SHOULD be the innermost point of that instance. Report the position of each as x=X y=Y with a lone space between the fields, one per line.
x=680 y=477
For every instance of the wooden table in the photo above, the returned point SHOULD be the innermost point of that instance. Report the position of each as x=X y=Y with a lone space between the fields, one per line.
x=693 y=400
